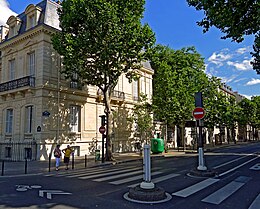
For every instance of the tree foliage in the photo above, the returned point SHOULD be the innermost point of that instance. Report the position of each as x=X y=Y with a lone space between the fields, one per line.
x=100 y=40
x=178 y=75
x=235 y=18
x=142 y=117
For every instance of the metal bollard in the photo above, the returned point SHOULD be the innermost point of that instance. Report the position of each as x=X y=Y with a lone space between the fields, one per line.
x=72 y=166
x=3 y=167
x=147 y=184
x=50 y=163
x=147 y=163
x=85 y=161
x=25 y=166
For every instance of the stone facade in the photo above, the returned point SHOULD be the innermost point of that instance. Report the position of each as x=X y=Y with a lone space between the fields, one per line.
x=38 y=105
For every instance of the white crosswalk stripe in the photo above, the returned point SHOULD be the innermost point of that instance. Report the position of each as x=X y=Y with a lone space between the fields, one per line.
x=159 y=179
x=126 y=180
x=226 y=191
x=256 y=203
x=195 y=188
x=132 y=174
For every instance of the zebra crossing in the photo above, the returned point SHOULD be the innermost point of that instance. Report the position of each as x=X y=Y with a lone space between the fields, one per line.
x=131 y=176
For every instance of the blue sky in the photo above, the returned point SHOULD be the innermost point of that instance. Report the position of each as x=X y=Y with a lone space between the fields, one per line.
x=174 y=24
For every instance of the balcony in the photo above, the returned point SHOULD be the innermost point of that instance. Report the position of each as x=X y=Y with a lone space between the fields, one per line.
x=116 y=97
x=17 y=83
x=76 y=85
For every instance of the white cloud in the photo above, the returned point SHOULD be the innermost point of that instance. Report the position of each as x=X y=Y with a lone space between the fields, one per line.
x=244 y=65
x=219 y=58
x=253 y=82
x=238 y=80
x=243 y=50
x=6 y=12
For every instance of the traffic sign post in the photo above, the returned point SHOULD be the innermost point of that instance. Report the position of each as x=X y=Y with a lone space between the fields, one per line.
x=199 y=113
x=102 y=130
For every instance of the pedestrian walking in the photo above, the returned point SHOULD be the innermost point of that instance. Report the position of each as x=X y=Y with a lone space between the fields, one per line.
x=67 y=152
x=57 y=155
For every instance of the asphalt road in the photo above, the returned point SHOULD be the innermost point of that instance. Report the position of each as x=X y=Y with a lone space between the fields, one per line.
x=236 y=185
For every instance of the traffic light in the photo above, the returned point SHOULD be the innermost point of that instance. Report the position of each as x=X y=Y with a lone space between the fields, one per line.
x=103 y=120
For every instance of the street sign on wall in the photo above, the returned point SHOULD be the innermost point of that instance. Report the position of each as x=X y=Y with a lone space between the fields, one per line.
x=198 y=113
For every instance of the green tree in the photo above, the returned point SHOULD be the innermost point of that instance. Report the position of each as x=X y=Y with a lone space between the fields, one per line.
x=100 y=40
x=256 y=119
x=247 y=112
x=235 y=18
x=142 y=117
x=178 y=75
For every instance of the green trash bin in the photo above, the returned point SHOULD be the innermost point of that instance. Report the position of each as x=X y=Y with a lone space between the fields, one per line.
x=97 y=155
x=157 y=145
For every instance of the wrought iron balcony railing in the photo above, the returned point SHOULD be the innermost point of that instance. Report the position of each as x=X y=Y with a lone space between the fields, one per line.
x=17 y=83
x=118 y=94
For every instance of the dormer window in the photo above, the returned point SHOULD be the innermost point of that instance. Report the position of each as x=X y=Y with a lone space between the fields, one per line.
x=14 y=24
x=33 y=14
x=31 y=21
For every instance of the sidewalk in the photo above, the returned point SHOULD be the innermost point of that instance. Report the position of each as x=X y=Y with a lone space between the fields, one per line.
x=10 y=169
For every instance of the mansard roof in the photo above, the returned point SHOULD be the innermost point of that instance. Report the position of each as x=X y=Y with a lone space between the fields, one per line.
x=48 y=16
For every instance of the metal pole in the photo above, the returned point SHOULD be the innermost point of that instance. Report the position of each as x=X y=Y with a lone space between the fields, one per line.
x=72 y=166
x=85 y=161
x=103 y=148
x=3 y=167
x=25 y=166
x=50 y=162
x=201 y=165
x=147 y=184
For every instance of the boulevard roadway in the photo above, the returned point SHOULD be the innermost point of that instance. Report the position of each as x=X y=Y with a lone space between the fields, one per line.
x=236 y=185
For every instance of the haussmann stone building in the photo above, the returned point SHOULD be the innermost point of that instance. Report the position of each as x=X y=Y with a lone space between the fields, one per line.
x=40 y=108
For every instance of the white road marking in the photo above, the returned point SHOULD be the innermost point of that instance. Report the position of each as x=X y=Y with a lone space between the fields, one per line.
x=256 y=167
x=195 y=188
x=256 y=203
x=233 y=169
x=108 y=173
x=118 y=176
x=159 y=179
x=229 y=162
x=223 y=193
x=122 y=181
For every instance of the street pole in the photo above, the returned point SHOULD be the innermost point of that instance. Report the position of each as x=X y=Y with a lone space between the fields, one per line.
x=201 y=160
x=147 y=183
x=103 y=148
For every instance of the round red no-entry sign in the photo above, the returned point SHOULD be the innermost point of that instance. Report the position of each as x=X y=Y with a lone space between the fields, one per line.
x=198 y=113
x=102 y=129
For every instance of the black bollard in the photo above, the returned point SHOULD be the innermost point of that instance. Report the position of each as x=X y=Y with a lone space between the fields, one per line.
x=85 y=161
x=3 y=167
x=25 y=166
x=50 y=163
x=72 y=166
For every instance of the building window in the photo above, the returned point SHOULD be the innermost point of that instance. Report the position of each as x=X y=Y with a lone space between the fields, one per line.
x=12 y=69
x=28 y=119
x=11 y=31
x=31 y=64
x=9 y=121
x=136 y=90
x=31 y=20
x=8 y=152
x=75 y=118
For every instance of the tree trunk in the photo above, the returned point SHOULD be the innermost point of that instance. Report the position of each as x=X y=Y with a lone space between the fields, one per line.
x=107 y=99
